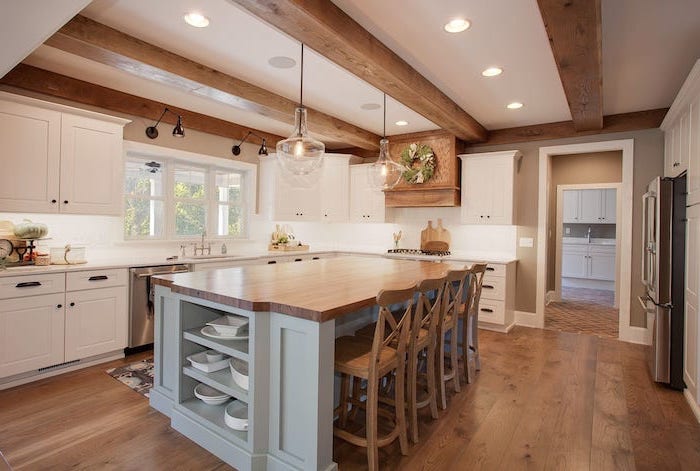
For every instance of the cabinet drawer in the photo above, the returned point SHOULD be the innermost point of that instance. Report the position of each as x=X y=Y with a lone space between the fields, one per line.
x=574 y=249
x=602 y=249
x=494 y=288
x=492 y=311
x=95 y=279
x=32 y=285
x=492 y=269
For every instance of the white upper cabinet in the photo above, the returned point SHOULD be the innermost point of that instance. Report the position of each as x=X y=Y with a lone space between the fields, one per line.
x=693 y=183
x=335 y=189
x=590 y=206
x=571 y=202
x=366 y=203
x=62 y=159
x=609 y=206
x=488 y=181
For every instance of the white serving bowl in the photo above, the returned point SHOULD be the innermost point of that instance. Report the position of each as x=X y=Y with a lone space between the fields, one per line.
x=201 y=362
x=213 y=356
x=239 y=371
x=230 y=325
x=236 y=415
x=209 y=395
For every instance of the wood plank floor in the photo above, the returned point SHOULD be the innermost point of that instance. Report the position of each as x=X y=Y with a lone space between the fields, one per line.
x=543 y=400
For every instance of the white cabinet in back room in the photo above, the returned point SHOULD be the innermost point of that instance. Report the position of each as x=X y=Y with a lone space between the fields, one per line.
x=366 y=203
x=589 y=206
x=488 y=181
x=63 y=159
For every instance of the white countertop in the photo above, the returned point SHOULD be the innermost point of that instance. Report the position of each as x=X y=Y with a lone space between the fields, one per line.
x=584 y=241
x=129 y=259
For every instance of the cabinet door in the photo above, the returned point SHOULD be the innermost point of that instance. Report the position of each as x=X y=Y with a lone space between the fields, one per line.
x=96 y=322
x=668 y=152
x=335 y=192
x=571 y=202
x=684 y=139
x=31 y=333
x=694 y=154
x=477 y=180
x=366 y=203
x=296 y=197
x=602 y=266
x=91 y=166
x=31 y=141
x=609 y=197
x=591 y=204
x=500 y=194
x=676 y=151
x=692 y=285
x=574 y=263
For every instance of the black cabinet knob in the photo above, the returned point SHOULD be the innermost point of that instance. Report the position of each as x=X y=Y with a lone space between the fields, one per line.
x=72 y=304
x=488 y=217
x=53 y=201
x=59 y=306
x=65 y=201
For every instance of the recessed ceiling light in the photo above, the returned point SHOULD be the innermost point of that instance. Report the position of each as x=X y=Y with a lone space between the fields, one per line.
x=196 y=19
x=402 y=123
x=457 y=25
x=370 y=106
x=514 y=106
x=282 y=62
x=492 y=72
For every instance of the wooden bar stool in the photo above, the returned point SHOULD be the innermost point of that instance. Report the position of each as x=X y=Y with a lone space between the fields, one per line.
x=455 y=284
x=422 y=344
x=372 y=360
x=469 y=339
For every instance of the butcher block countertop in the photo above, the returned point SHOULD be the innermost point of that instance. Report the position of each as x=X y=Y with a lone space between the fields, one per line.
x=317 y=290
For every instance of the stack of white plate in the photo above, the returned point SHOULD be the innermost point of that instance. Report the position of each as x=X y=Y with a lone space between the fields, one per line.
x=227 y=327
x=209 y=395
x=239 y=371
x=236 y=415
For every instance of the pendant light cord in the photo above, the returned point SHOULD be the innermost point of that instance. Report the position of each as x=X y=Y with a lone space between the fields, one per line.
x=384 y=132
x=301 y=82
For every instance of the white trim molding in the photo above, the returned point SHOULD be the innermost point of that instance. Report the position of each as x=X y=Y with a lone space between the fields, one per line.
x=691 y=402
x=627 y=332
x=526 y=319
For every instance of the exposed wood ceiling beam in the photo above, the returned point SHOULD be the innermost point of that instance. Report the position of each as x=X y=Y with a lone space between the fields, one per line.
x=574 y=30
x=612 y=123
x=37 y=80
x=328 y=30
x=90 y=39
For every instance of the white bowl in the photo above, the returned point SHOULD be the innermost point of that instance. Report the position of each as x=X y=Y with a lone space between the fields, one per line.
x=209 y=395
x=213 y=355
x=236 y=415
x=201 y=362
x=230 y=325
x=239 y=371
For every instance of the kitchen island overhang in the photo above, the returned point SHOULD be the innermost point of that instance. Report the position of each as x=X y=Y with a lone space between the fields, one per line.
x=292 y=311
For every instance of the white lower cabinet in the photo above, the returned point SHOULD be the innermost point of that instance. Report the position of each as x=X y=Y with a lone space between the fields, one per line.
x=574 y=262
x=497 y=302
x=592 y=262
x=31 y=333
x=96 y=322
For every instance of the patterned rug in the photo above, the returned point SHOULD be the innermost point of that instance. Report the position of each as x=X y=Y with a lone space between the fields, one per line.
x=138 y=376
x=585 y=311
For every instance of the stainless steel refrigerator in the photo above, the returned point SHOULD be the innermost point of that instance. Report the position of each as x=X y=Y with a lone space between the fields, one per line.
x=663 y=275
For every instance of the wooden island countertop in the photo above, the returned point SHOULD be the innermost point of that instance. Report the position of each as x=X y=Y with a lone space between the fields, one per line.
x=317 y=290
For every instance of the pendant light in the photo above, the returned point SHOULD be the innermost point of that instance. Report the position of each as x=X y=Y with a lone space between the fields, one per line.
x=385 y=174
x=300 y=154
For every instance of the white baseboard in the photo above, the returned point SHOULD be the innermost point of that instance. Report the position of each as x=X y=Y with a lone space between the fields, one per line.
x=693 y=405
x=496 y=327
x=526 y=319
x=640 y=335
x=586 y=283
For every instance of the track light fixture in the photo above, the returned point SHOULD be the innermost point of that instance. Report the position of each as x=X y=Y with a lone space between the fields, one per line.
x=236 y=149
x=178 y=130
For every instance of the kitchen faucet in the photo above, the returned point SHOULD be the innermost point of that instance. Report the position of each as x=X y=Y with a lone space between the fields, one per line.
x=589 y=234
x=202 y=247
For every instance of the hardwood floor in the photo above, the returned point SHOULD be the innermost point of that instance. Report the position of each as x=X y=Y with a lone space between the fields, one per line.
x=543 y=400
x=581 y=310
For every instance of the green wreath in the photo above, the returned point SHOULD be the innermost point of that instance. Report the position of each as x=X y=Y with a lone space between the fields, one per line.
x=419 y=161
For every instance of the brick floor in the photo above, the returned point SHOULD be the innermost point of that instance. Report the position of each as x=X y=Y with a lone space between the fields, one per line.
x=586 y=311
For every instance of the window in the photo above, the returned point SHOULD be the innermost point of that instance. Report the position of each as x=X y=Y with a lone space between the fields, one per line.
x=171 y=199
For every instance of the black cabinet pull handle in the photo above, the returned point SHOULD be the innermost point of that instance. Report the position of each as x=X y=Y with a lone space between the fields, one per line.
x=271 y=262
x=27 y=284
x=490 y=269
x=297 y=260
x=98 y=278
x=485 y=309
x=316 y=258
x=65 y=201
x=59 y=306
x=72 y=304
x=487 y=286
x=53 y=201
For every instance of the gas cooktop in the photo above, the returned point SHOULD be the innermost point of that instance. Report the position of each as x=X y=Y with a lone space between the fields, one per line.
x=436 y=253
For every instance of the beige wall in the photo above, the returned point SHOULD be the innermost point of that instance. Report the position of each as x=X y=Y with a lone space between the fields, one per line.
x=648 y=163
x=572 y=169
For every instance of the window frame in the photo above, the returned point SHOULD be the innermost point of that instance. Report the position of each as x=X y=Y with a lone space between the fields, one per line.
x=173 y=159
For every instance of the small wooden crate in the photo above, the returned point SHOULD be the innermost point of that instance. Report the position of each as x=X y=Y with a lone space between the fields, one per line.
x=288 y=248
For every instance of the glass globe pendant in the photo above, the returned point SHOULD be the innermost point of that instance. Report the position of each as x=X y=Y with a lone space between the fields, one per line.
x=385 y=174
x=300 y=154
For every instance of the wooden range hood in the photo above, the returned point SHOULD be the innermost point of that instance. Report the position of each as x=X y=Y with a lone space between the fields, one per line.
x=443 y=188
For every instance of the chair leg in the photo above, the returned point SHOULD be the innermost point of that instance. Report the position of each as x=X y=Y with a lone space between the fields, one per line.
x=371 y=422
x=454 y=362
x=467 y=354
x=344 y=394
x=475 y=343
x=440 y=365
x=412 y=380
x=400 y=405
x=432 y=382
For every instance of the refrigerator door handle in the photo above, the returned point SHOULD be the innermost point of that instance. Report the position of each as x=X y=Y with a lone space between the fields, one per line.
x=645 y=234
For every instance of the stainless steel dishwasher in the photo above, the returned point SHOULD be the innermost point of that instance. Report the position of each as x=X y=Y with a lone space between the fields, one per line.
x=141 y=296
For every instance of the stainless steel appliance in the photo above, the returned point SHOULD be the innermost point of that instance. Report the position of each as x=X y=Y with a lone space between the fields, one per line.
x=663 y=260
x=141 y=302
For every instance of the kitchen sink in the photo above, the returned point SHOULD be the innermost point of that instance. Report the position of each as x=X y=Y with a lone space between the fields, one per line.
x=205 y=257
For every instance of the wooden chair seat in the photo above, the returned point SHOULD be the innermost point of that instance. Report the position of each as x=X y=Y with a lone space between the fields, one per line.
x=352 y=357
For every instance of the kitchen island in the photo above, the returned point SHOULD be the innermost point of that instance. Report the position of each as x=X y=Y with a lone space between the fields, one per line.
x=293 y=311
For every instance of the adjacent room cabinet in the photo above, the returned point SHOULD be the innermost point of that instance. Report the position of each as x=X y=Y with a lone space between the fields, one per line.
x=50 y=319
x=322 y=196
x=488 y=181
x=592 y=262
x=590 y=206
x=59 y=159
x=366 y=203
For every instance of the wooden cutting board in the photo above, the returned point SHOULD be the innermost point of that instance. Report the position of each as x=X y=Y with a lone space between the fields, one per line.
x=431 y=234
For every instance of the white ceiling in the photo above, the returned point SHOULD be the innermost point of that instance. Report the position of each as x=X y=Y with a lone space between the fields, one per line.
x=648 y=49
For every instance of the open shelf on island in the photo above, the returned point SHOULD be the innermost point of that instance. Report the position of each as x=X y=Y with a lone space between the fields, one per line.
x=214 y=420
x=234 y=348
x=221 y=380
